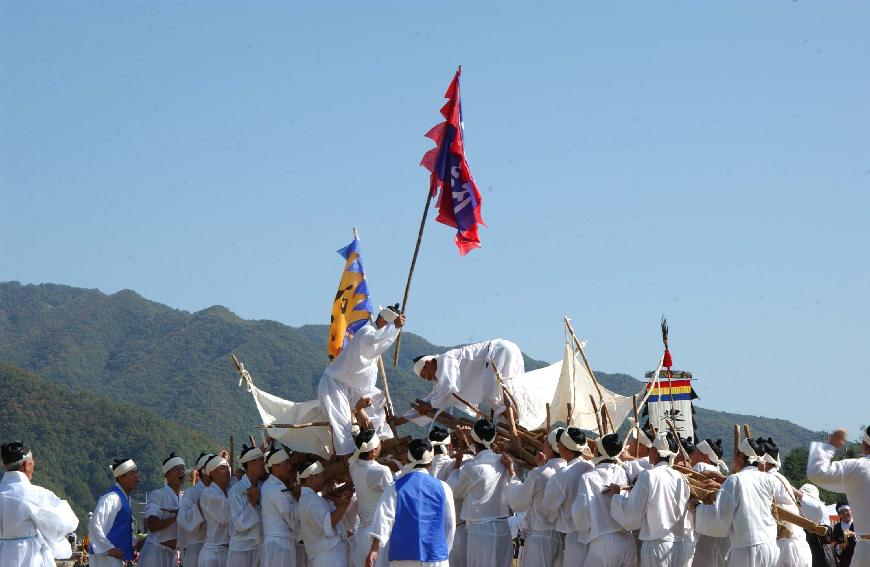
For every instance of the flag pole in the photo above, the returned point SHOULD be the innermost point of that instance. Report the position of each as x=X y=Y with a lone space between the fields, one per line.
x=411 y=272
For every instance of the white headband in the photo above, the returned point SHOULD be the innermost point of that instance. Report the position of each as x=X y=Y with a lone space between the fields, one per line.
x=569 y=443
x=707 y=450
x=277 y=458
x=387 y=314
x=366 y=447
x=602 y=453
x=639 y=433
x=477 y=438
x=172 y=463
x=214 y=464
x=771 y=461
x=418 y=366
x=551 y=438
x=446 y=441
x=844 y=507
x=202 y=461
x=660 y=444
x=311 y=470
x=26 y=457
x=751 y=456
x=251 y=455
x=424 y=459
x=123 y=468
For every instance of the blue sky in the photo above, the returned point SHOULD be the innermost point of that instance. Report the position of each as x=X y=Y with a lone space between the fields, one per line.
x=705 y=161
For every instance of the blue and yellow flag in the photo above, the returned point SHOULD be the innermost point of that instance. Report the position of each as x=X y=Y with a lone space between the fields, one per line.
x=351 y=308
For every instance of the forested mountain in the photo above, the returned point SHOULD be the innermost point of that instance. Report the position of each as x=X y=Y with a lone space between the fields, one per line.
x=74 y=437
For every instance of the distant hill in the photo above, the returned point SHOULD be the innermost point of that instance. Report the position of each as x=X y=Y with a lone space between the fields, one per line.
x=177 y=364
x=74 y=437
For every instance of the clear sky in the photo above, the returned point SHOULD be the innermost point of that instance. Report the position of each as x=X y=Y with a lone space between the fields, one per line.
x=707 y=161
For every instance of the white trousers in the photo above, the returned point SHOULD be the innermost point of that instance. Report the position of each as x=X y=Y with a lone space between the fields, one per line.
x=250 y=558
x=710 y=551
x=212 y=556
x=660 y=553
x=543 y=548
x=278 y=552
x=794 y=552
x=759 y=555
x=154 y=555
x=459 y=552
x=616 y=549
x=337 y=400
x=103 y=560
x=489 y=544
x=190 y=555
x=335 y=557
x=575 y=551
x=301 y=556
x=361 y=544
x=861 y=558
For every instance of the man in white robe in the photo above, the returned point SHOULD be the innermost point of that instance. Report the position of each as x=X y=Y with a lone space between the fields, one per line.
x=468 y=372
x=544 y=545
x=707 y=459
x=415 y=515
x=610 y=545
x=794 y=550
x=658 y=504
x=161 y=513
x=640 y=461
x=278 y=507
x=318 y=519
x=246 y=527
x=33 y=521
x=483 y=484
x=370 y=479
x=442 y=466
x=191 y=524
x=742 y=510
x=561 y=491
x=851 y=477
x=111 y=526
x=352 y=376
x=215 y=508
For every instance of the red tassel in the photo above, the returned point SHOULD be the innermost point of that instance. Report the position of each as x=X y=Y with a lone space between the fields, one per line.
x=668 y=362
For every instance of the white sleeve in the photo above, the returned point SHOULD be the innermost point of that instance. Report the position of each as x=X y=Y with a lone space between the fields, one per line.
x=628 y=510
x=376 y=342
x=824 y=473
x=460 y=482
x=215 y=510
x=385 y=516
x=715 y=519
x=54 y=520
x=243 y=515
x=520 y=493
x=104 y=516
x=449 y=515
x=189 y=516
x=582 y=505
x=446 y=383
x=813 y=509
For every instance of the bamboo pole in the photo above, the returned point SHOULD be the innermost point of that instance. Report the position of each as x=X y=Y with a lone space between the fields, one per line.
x=570 y=413
x=605 y=418
x=747 y=431
x=595 y=410
x=411 y=272
x=294 y=425
x=586 y=363
x=548 y=419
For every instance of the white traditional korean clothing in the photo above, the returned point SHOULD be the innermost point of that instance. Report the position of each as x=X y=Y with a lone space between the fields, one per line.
x=323 y=544
x=370 y=479
x=467 y=372
x=709 y=551
x=483 y=485
x=108 y=507
x=246 y=527
x=851 y=477
x=278 y=509
x=794 y=551
x=635 y=467
x=162 y=503
x=385 y=516
x=191 y=525
x=215 y=508
x=658 y=505
x=559 y=496
x=544 y=545
x=743 y=510
x=33 y=523
x=351 y=376
x=610 y=545
x=441 y=468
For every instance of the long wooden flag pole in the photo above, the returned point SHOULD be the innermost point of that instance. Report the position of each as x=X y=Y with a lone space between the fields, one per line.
x=586 y=363
x=411 y=272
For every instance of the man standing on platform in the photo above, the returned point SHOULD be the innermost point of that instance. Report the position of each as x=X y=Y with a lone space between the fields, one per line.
x=161 y=513
x=111 y=526
x=33 y=521
x=246 y=529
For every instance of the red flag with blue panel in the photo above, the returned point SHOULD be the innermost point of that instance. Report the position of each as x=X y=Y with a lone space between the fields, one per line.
x=459 y=201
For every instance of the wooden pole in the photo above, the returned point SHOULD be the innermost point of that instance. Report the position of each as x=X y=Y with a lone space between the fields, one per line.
x=637 y=424
x=411 y=272
x=595 y=410
x=570 y=413
x=746 y=431
x=294 y=425
x=586 y=363
x=548 y=419
x=388 y=402
x=470 y=406
x=736 y=449
x=605 y=418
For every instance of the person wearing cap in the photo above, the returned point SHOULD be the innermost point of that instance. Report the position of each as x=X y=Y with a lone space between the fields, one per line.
x=318 y=517
x=639 y=437
x=544 y=546
x=742 y=511
x=370 y=478
x=610 y=545
x=246 y=529
x=658 y=504
x=279 y=511
x=349 y=381
x=111 y=526
x=850 y=477
x=483 y=484
x=707 y=459
x=215 y=508
x=561 y=491
x=843 y=536
x=415 y=515
x=794 y=551
x=33 y=520
x=191 y=524
x=467 y=372
x=161 y=513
